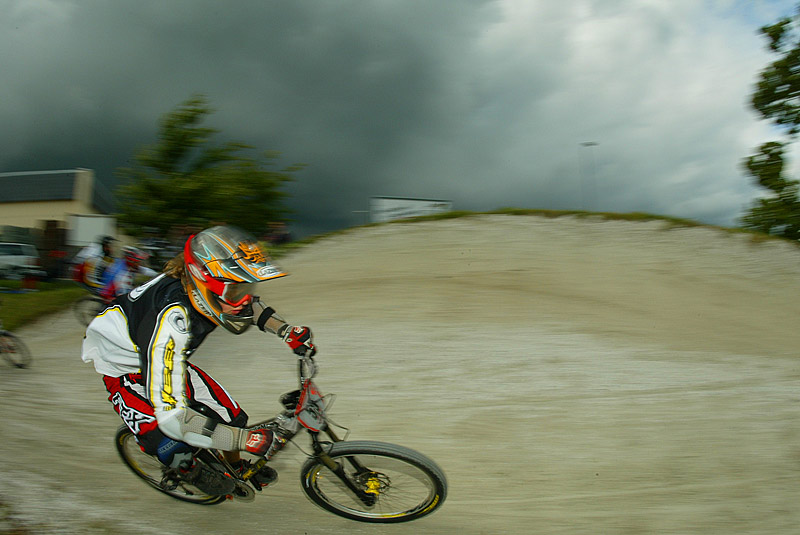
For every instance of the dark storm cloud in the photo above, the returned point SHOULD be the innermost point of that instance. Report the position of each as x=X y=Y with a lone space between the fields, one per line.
x=485 y=102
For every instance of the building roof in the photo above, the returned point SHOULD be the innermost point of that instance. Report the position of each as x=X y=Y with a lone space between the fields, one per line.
x=32 y=186
x=37 y=186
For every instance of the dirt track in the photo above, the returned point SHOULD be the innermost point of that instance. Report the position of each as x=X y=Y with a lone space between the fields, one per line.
x=570 y=376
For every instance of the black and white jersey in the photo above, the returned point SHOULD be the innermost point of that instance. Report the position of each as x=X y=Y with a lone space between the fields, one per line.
x=154 y=328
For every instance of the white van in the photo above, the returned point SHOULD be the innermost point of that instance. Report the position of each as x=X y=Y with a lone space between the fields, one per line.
x=17 y=260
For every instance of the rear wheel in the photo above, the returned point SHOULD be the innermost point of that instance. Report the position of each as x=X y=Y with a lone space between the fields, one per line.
x=87 y=307
x=397 y=484
x=155 y=474
x=14 y=351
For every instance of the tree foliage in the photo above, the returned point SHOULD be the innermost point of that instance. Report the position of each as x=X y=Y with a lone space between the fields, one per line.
x=185 y=180
x=777 y=98
x=780 y=212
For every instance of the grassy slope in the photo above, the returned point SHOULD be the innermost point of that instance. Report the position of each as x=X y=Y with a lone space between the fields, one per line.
x=17 y=309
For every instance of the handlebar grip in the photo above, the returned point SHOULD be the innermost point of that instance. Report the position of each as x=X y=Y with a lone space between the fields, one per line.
x=307 y=362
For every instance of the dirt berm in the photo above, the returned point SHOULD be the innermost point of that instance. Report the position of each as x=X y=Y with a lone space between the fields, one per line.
x=570 y=376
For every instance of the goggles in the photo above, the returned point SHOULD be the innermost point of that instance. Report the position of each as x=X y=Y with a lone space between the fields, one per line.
x=233 y=293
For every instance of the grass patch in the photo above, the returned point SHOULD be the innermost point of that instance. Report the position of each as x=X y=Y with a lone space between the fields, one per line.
x=609 y=216
x=19 y=308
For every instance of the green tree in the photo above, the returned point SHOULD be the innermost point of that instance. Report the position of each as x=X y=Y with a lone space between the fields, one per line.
x=777 y=98
x=780 y=212
x=184 y=179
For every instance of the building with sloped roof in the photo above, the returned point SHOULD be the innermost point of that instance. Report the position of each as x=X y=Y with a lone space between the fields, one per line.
x=57 y=211
x=28 y=198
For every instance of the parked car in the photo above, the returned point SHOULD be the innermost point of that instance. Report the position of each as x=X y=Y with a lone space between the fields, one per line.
x=18 y=260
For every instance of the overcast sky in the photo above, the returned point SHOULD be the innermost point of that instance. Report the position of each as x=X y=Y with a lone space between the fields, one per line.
x=485 y=103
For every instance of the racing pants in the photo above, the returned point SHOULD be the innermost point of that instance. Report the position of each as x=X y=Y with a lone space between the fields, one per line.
x=128 y=394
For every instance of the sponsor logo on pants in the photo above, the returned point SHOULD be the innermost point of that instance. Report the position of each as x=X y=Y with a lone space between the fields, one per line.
x=132 y=418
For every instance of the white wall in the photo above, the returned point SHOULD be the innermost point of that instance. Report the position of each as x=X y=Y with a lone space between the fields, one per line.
x=391 y=208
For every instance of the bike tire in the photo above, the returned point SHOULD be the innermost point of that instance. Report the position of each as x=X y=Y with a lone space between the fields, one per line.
x=87 y=307
x=14 y=350
x=150 y=469
x=407 y=485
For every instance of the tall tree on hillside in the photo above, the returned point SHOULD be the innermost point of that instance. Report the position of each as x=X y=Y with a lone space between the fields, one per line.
x=184 y=179
x=777 y=97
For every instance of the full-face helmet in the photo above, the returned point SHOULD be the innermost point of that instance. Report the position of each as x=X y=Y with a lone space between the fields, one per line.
x=223 y=266
x=133 y=256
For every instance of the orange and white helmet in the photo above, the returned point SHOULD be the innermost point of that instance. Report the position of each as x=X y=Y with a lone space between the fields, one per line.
x=223 y=265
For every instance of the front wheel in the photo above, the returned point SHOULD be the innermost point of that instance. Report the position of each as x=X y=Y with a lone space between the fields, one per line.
x=14 y=351
x=393 y=483
x=155 y=474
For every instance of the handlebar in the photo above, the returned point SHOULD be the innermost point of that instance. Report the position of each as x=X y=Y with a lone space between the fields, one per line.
x=307 y=368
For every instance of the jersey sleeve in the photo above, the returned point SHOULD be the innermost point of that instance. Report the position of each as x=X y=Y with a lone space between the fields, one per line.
x=166 y=356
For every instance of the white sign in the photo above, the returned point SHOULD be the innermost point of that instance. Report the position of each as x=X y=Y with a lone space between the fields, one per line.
x=392 y=208
x=85 y=229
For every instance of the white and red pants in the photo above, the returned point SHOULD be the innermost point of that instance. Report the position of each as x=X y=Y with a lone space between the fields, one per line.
x=129 y=397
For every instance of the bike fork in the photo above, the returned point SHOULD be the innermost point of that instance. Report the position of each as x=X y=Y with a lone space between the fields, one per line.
x=366 y=498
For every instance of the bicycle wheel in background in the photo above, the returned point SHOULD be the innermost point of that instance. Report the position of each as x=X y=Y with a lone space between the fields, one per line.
x=14 y=351
x=405 y=484
x=87 y=307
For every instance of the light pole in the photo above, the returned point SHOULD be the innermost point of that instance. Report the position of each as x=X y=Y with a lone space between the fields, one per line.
x=592 y=194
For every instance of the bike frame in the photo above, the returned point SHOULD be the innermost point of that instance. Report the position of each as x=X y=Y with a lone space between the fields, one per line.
x=310 y=414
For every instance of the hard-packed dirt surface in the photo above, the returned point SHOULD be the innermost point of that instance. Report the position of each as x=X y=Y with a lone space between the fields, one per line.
x=570 y=376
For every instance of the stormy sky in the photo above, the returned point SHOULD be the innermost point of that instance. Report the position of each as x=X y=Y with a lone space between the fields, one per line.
x=612 y=105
